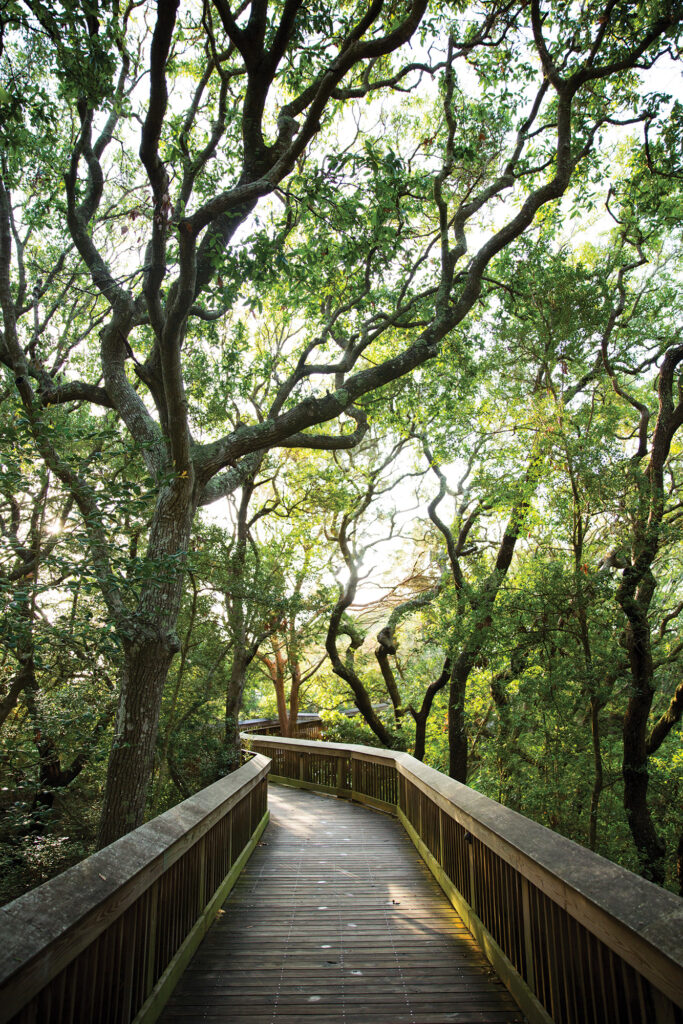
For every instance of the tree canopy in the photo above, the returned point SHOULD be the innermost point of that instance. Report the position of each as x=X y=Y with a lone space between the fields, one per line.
x=288 y=289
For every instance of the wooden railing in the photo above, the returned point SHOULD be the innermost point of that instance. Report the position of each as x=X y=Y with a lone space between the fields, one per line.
x=107 y=940
x=308 y=727
x=577 y=939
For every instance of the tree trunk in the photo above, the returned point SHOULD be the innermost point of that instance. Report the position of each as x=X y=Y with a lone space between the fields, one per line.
x=148 y=650
x=457 y=730
x=595 y=704
x=420 y=718
x=422 y=715
x=382 y=653
x=634 y=596
x=598 y=773
x=295 y=672
x=278 y=674
x=347 y=672
x=162 y=762
x=281 y=700
x=132 y=754
x=243 y=652
x=650 y=848
x=482 y=606
x=233 y=705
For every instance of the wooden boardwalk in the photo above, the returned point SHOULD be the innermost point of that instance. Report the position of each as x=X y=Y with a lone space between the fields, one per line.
x=336 y=919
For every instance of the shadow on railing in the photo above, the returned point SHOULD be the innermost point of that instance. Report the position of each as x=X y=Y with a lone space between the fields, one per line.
x=107 y=940
x=577 y=939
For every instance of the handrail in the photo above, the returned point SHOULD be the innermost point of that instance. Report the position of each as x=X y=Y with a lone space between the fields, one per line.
x=308 y=726
x=108 y=939
x=576 y=938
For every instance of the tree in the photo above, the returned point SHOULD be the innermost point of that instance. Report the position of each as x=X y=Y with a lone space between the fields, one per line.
x=635 y=593
x=611 y=495
x=242 y=107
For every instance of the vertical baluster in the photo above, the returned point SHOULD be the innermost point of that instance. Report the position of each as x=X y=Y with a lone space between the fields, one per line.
x=231 y=822
x=612 y=985
x=45 y=1005
x=470 y=861
x=541 y=960
x=182 y=900
x=152 y=938
x=529 y=973
x=59 y=995
x=513 y=915
x=505 y=897
x=440 y=858
x=555 y=968
x=576 y=936
x=565 y=963
x=491 y=889
x=630 y=994
x=128 y=953
x=644 y=1011
x=89 y=999
x=144 y=916
x=173 y=888
x=594 y=979
x=121 y=1012
x=30 y=1013
x=664 y=1010
x=201 y=881
x=516 y=940
x=492 y=885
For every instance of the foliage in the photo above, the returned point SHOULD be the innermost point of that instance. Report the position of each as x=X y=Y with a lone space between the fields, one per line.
x=341 y=365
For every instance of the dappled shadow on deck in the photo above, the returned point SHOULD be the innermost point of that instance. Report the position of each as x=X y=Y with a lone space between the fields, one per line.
x=336 y=919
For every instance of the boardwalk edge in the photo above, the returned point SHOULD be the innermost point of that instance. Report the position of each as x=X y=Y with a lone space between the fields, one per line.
x=151 y=1010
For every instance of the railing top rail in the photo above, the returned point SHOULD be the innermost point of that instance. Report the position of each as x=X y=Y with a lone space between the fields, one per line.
x=594 y=890
x=89 y=895
x=341 y=748
x=302 y=719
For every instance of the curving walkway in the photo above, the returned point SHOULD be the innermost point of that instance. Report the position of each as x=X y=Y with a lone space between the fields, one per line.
x=337 y=919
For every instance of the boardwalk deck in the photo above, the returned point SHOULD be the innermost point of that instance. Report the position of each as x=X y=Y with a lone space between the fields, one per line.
x=336 y=919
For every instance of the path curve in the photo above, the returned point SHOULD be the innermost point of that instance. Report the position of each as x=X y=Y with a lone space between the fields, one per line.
x=337 y=920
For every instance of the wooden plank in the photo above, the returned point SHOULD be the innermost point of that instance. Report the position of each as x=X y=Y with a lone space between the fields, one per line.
x=336 y=918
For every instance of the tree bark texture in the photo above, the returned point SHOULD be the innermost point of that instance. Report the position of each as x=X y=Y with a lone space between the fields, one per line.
x=132 y=754
x=457 y=727
x=148 y=650
x=421 y=716
x=634 y=596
